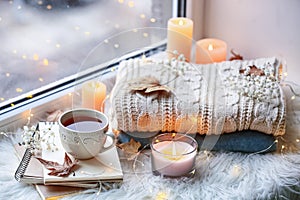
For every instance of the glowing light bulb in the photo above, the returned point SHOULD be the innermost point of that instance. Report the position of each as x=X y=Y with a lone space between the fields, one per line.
x=106 y=41
x=143 y=16
x=57 y=45
x=161 y=196
x=236 y=170
x=121 y=1
x=2 y=99
x=19 y=90
x=87 y=33
x=113 y=69
x=145 y=34
x=210 y=47
x=24 y=57
x=41 y=79
x=293 y=97
x=180 y=22
x=297 y=140
x=7 y=74
x=152 y=20
x=49 y=7
x=116 y=46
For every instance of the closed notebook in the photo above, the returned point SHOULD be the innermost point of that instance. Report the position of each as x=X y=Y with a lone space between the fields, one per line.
x=103 y=167
x=31 y=171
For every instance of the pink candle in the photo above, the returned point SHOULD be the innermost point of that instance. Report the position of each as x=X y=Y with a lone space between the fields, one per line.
x=210 y=50
x=173 y=157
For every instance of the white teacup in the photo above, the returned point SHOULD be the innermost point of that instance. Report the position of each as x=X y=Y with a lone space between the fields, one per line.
x=83 y=132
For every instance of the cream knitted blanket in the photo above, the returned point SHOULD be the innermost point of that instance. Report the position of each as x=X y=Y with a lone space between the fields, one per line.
x=207 y=99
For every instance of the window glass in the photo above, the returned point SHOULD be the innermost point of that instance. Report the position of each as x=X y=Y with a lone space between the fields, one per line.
x=43 y=41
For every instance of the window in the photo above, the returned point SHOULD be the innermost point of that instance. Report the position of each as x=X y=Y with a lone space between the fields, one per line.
x=45 y=44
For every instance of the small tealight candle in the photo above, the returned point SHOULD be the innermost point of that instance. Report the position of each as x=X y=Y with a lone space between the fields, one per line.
x=93 y=95
x=180 y=36
x=173 y=155
x=210 y=50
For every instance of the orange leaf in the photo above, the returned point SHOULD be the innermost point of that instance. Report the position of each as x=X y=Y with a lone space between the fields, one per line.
x=131 y=147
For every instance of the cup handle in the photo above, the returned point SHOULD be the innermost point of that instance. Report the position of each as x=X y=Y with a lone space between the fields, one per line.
x=114 y=141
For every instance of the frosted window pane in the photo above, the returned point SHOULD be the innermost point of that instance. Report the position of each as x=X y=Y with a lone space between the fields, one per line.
x=42 y=41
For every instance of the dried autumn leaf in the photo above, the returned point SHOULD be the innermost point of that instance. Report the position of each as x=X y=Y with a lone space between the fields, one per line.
x=147 y=84
x=131 y=147
x=253 y=70
x=57 y=169
x=158 y=88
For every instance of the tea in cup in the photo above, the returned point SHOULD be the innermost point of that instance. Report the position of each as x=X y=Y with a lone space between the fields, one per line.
x=83 y=132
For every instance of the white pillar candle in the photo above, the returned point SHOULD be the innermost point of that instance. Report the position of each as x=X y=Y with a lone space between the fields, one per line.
x=173 y=158
x=210 y=50
x=93 y=95
x=180 y=36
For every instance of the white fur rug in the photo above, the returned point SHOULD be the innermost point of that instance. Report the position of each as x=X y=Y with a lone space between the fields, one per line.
x=219 y=176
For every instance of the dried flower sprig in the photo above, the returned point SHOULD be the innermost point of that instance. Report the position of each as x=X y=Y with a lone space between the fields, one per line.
x=37 y=139
x=235 y=56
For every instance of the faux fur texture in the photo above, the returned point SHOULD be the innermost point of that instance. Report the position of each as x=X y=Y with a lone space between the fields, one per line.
x=221 y=175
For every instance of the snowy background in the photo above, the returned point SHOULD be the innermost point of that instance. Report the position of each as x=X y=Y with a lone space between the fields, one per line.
x=41 y=44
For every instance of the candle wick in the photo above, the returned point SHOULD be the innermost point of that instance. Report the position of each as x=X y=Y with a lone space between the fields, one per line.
x=173 y=149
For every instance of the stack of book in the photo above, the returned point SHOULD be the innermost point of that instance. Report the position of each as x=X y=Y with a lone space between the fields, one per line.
x=103 y=171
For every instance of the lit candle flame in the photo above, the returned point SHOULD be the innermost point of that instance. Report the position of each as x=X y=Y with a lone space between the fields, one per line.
x=180 y=22
x=210 y=47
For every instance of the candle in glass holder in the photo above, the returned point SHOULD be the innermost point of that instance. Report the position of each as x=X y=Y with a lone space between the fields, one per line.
x=173 y=155
x=210 y=50
x=93 y=95
x=180 y=36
